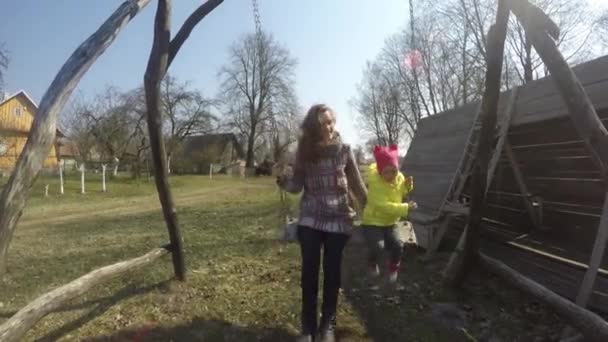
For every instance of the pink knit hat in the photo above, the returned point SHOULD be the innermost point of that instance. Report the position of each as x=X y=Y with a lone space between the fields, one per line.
x=386 y=155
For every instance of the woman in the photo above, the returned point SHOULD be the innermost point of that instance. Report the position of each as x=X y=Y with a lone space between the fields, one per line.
x=325 y=169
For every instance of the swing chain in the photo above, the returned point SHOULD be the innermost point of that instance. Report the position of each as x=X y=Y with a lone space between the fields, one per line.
x=256 y=19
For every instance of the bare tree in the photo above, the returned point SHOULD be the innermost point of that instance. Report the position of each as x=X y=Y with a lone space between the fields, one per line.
x=572 y=17
x=3 y=66
x=438 y=62
x=258 y=74
x=186 y=112
x=284 y=124
x=381 y=106
x=77 y=123
x=602 y=27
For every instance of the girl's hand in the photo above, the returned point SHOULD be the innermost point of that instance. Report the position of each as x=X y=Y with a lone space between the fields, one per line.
x=412 y=205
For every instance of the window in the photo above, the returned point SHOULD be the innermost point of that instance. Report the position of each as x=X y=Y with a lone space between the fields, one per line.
x=17 y=111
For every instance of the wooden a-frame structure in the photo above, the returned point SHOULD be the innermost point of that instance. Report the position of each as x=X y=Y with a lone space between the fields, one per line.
x=551 y=126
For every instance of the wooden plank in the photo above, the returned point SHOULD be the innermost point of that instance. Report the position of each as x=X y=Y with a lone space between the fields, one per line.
x=533 y=213
x=588 y=73
x=554 y=131
x=462 y=116
x=596 y=257
x=504 y=122
x=585 y=190
x=540 y=101
x=455 y=208
x=446 y=146
x=571 y=163
x=590 y=324
x=557 y=276
x=580 y=107
x=550 y=108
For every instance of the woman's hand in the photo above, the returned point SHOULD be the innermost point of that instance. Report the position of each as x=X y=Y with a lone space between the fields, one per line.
x=412 y=205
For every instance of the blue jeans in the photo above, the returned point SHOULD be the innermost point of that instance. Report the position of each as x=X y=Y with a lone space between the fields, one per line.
x=311 y=242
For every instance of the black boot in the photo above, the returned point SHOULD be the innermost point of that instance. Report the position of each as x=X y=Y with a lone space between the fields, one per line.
x=309 y=328
x=327 y=333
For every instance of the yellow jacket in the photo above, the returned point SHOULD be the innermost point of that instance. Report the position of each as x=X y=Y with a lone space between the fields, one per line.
x=385 y=200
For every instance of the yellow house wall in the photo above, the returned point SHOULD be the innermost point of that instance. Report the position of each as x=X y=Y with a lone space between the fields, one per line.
x=14 y=128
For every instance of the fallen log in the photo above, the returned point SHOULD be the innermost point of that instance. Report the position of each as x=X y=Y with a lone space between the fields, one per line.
x=16 y=326
x=592 y=326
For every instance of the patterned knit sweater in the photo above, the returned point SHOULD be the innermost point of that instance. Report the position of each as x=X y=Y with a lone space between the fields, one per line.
x=325 y=204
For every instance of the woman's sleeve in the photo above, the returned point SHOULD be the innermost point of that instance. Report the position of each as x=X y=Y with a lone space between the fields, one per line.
x=355 y=182
x=295 y=183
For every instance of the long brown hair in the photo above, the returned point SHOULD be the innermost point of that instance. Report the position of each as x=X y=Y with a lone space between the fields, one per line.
x=309 y=144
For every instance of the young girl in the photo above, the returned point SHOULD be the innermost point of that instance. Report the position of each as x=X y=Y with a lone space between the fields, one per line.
x=325 y=169
x=387 y=188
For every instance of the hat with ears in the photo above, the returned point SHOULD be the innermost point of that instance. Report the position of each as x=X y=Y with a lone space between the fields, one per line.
x=386 y=156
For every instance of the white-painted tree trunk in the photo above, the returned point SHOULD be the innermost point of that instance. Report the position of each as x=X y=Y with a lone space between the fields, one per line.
x=148 y=175
x=61 y=177
x=46 y=190
x=116 y=162
x=82 y=190
x=103 y=177
x=168 y=164
x=210 y=171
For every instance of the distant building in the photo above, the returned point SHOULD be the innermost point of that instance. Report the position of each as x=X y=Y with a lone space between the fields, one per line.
x=221 y=151
x=16 y=117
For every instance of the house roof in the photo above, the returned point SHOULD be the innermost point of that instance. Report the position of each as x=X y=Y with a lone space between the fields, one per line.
x=31 y=100
x=198 y=143
x=67 y=150
x=20 y=92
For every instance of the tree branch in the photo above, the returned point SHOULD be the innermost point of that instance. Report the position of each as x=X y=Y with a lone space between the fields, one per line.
x=184 y=32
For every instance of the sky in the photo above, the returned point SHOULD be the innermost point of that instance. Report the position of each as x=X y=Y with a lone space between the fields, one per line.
x=331 y=39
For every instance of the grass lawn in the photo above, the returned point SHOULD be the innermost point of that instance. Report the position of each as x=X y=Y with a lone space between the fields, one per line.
x=243 y=285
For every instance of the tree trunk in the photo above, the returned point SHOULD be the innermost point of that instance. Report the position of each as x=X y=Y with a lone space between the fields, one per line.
x=528 y=76
x=61 y=177
x=116 y=163
x=489 y=107
x=103 y=177
x=250 y=149
x=155 y=71
x=42 y=132
x=82 y=171
x=169 y=163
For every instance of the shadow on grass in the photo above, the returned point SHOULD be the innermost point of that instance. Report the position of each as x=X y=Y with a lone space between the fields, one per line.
x=198 y=330
x=103 y=304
